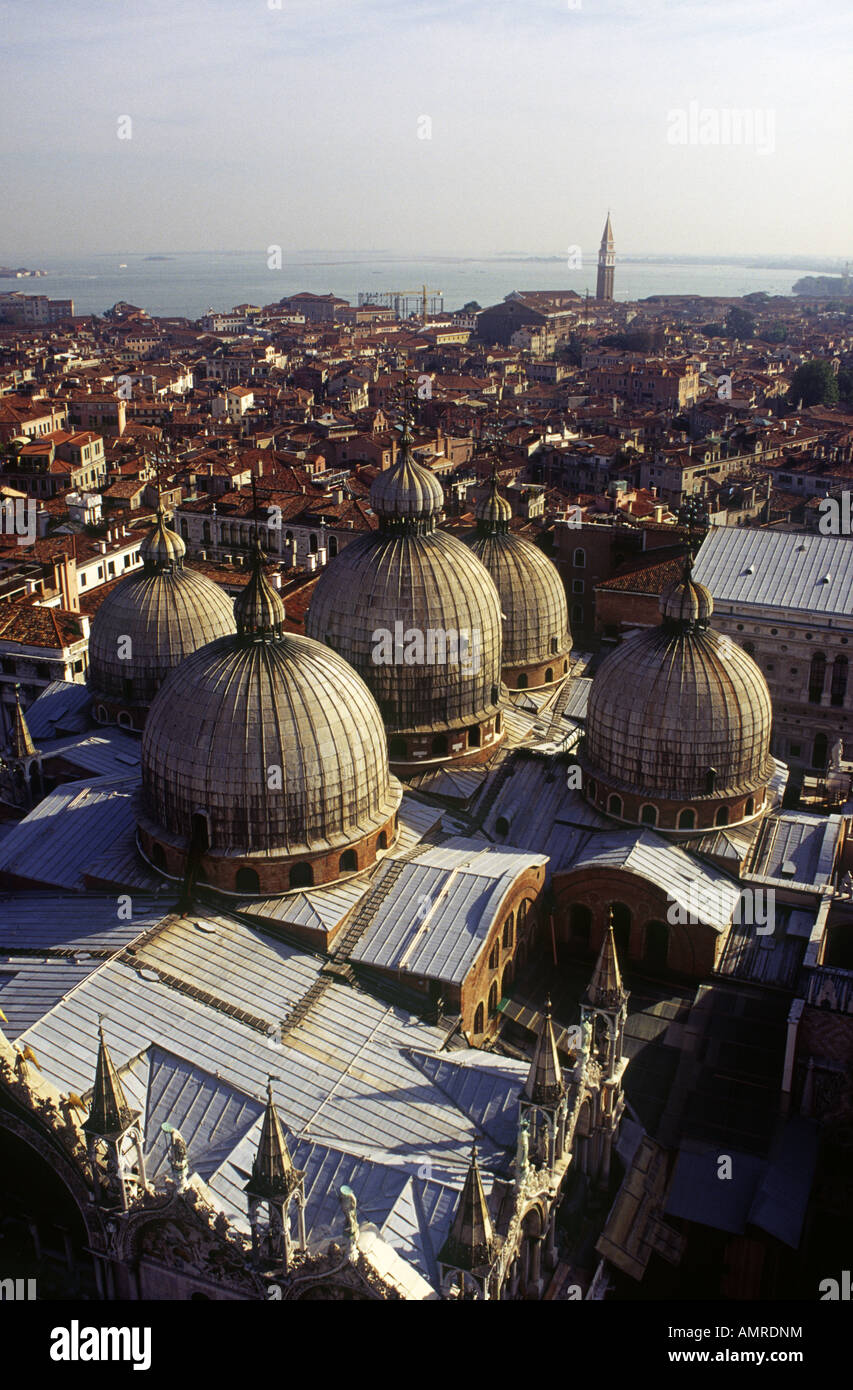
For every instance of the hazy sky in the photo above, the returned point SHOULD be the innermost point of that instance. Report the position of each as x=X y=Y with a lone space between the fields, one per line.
x=299 y=126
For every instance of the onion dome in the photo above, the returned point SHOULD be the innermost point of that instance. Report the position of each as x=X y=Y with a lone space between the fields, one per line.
x=418 y=616
x=266 y=751
x=152 y=620
x=678 y=722
x=408 y=490
x=536 y=636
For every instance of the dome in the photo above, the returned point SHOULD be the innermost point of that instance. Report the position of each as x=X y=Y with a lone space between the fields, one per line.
x=536 y=637
x=680 y=713
x=418 y=616
x=278 y=745
x=407 y=490
x=152 y=620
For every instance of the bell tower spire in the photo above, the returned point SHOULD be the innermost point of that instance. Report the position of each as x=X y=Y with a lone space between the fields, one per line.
x=606 y=263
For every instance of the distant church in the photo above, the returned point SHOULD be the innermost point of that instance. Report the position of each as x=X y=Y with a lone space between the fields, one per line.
x=606 y=263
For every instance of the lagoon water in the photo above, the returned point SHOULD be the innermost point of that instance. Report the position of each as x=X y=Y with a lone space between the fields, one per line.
x=190 y=283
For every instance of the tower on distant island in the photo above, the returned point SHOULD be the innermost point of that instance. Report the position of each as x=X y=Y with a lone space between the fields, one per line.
x=606 y=263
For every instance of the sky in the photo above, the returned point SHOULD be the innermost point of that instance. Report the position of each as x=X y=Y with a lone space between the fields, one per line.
x=433 y=127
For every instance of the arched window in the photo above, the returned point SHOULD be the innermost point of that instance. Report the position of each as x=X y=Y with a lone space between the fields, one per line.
x=614 y=805
x=382 y=841
x=478 y=1019
x=348 y=862
x=649 y=815
x=301 y=876
x=521 y=681
x=439 y=746
x=506 y=981
x=579 y=559
x=555 y=645
x=819 y=752
x=749 y=808
x=722 y=817
x=656 y=945
x=125 y=721
x=474 y=736
x=493 y=997
x=580 y=925
x=686 y=820
x=621 y=917
x=838 y=688
x=205 y=530
x=288 y=535
x=397 y=749
x=509 y=926
x=247 y=881
x=549 y=676
x=333 y=547
x=101 y=714
x=312 y=543
x=817 y=677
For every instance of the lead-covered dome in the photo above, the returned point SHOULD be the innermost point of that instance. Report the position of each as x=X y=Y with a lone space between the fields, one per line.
x=152 y=620
x=678 y=723
x=536 y=636
x=418 y=616
x=267 y=753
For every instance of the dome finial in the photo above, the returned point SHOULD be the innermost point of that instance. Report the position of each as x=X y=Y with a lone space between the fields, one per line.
x=259 y=611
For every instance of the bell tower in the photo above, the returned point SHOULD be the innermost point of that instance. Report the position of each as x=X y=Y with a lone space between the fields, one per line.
x=606 y=263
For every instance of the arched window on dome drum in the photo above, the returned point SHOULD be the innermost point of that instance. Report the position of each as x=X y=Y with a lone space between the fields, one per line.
x=614 y=805
x=686 y=820
x=554 y=644
x=508 y=930
x=506 y=981
x=478 y=1019
x=649 y=815
x=474 y=736
x=382 y=841
x=521 y=681
x=549 y=676
x=247 y=881
x=749 y=808
x=493 y=998
x=722 y=816
x=397 y=747
x=579 y=559
x=124 y=720
x=838 y=688
x=101 y=714
x=439 y=746
x=817 y=677
x=348 y=862
x=301 y=876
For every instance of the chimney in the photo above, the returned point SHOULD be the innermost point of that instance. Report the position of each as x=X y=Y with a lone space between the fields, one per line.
x=65 y=578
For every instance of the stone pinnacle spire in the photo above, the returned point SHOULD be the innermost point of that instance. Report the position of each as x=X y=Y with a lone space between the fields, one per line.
x=20 y=740
x=110 y=1113
x=605 y=988
x=544 y=1084
x=471 y=1242
x=273 y=1173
